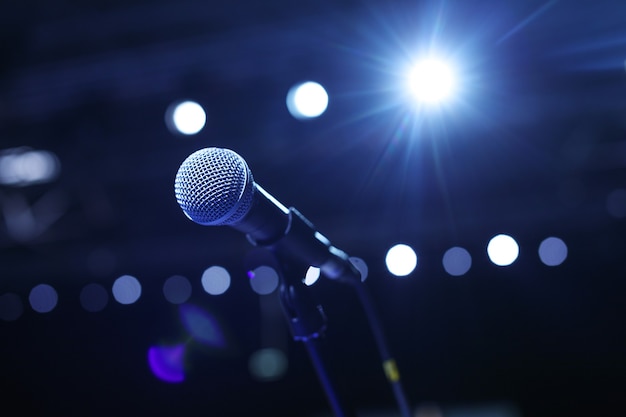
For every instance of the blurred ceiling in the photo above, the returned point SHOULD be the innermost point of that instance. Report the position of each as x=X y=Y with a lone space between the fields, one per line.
x=532 y=146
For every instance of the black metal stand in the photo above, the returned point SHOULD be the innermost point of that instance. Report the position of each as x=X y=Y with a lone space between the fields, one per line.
x=307 y=323
x=388 y=361
x=305 y=318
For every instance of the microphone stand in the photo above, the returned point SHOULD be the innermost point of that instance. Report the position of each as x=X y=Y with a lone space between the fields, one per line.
x=306 y=320
x=297 y=242
x=300 y=244
x=307 y=323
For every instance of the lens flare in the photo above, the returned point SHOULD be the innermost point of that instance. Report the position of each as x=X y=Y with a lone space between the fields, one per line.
x=166 y=362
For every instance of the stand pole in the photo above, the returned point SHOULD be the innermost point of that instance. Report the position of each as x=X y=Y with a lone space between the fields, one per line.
x=307 y=323
x=388 y=362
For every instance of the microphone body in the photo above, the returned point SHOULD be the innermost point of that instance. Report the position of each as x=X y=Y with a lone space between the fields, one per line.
x=214 y=186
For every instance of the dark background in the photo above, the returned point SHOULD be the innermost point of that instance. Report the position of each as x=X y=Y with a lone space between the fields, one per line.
x=533 y=146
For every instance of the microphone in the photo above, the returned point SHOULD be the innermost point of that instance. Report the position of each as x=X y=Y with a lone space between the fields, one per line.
x=215 y=187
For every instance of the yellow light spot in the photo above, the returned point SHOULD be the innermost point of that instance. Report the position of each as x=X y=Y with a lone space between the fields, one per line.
x=391 y=370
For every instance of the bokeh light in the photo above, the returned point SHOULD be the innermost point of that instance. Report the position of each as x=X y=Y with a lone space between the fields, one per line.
x=502 y=250
x=202 y=326
x=11 y=307
x=457 y=261
x=94 y=297
x=312 y=275
x=552 y=251
x=401 y=260
x=616 y=203
x=25 y=166
x=177 y=289
x=361 y=266
x=187 y=118
x=167 y=362
x=268 y=364
x=215 y=280
x=307 y=100
x=126 y=289
x=43 y=298
x=263 y=280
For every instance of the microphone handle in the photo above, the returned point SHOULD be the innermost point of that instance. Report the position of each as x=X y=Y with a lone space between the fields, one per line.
x=296 y=237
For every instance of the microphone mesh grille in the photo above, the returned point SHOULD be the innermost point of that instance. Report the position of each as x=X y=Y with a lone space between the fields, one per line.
x=214 y=186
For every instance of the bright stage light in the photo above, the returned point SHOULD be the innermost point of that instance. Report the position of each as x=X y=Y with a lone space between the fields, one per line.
x=502 y=250
x=431 y=81
x=401 y=260
x=307 y=100
x=187 y=117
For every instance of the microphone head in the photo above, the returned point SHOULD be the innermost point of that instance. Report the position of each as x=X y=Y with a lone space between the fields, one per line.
x=214 y=187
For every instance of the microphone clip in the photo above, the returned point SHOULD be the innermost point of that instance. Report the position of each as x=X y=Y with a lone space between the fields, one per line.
x=306 y=320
